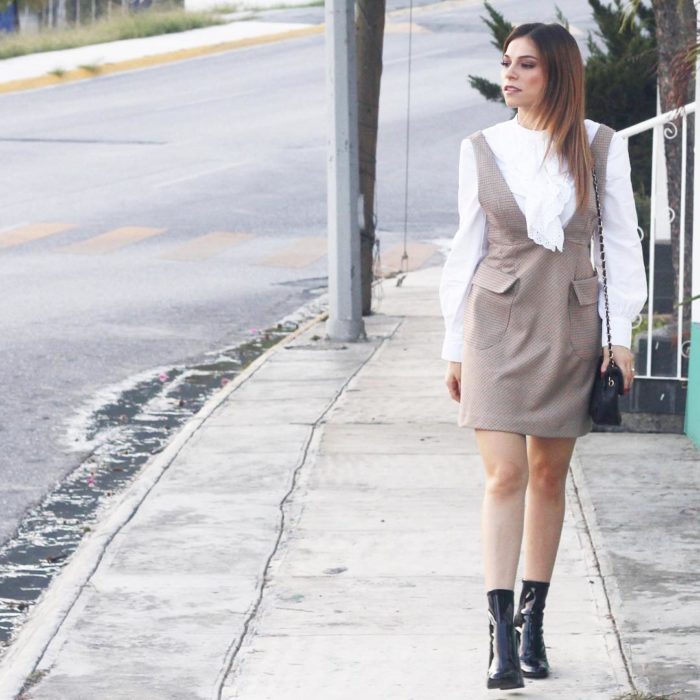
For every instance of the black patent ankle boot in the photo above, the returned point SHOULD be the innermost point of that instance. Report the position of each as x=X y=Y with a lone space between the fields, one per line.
x=528 y=620
x=504 y=666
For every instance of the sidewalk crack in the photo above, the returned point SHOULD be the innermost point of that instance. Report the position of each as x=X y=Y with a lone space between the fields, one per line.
x=236 y=645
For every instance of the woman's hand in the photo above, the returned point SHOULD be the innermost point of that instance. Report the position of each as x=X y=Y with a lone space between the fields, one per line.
x=453 y=379
x=624 y=359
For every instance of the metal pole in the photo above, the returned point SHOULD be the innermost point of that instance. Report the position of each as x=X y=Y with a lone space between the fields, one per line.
x=344 y=276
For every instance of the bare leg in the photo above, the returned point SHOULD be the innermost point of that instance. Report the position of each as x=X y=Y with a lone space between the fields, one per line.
x=505 y=462
x=548 y=460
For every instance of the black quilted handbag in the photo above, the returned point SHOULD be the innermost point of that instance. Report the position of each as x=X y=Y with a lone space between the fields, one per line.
x=603 y=405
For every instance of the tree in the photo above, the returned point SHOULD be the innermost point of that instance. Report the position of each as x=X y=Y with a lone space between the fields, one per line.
x=370 y=41
x=676 y=22
x=621 y=79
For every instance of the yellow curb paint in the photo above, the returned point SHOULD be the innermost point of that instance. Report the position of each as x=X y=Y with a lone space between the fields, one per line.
x=301 y=253
x=112 y=240
x=31 y=232
x=205 y=246
x=147 y=61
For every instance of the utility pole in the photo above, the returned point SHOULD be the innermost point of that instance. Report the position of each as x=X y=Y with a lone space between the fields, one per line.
x=344 y=274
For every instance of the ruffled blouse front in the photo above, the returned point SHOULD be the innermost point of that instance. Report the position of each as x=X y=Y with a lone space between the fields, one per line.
x=546 y=186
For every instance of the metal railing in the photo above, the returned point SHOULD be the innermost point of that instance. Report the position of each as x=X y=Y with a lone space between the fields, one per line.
x=663 y=127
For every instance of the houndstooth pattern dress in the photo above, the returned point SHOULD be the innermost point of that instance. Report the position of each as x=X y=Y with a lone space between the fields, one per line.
x=532 y=333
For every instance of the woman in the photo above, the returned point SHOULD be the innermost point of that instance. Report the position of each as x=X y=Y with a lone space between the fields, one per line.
x=523 y=309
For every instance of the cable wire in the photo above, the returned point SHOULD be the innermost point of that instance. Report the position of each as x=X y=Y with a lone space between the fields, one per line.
x=404 y=257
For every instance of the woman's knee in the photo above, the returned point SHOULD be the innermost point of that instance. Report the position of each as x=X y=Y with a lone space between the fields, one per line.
x=506 y=478
x=548 y=478
x=548 y=460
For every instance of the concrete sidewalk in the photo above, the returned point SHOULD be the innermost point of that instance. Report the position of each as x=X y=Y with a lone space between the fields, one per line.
x=639 y=495
x=314 y=533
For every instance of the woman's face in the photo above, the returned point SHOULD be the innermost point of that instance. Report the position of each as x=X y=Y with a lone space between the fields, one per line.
x=522 y=74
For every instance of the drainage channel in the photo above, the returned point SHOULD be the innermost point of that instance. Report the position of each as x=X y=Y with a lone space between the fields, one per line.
x=129 y=430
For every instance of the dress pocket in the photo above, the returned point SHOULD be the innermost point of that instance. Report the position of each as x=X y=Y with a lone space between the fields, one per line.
x=488 y=306
x=584 y=321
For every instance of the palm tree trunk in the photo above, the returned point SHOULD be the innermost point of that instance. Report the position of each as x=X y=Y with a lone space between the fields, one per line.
x=675 y=36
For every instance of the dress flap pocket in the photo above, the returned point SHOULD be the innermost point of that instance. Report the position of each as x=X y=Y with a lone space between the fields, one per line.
x=586 y=289
x=493 y=279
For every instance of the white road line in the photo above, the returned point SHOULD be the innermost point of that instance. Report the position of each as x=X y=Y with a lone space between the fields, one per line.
x=203 y=173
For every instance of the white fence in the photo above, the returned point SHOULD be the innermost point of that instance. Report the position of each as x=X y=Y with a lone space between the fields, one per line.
x=652 y=341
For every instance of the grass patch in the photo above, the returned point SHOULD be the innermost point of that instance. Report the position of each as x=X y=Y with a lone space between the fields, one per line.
x=94 y=68
x=128 y=26
x=33 y=678
x=226 y=8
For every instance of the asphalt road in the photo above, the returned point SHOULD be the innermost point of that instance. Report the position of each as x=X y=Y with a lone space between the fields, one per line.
x=216 y=166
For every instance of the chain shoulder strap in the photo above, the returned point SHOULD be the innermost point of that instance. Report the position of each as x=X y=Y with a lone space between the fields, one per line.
x=602 y=259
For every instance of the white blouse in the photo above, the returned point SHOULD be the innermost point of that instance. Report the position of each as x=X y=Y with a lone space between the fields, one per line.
x=547 y=197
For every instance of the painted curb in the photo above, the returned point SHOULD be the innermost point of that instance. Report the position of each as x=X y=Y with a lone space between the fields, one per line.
x=54 y=604
x=152 y=61
x=172 y=56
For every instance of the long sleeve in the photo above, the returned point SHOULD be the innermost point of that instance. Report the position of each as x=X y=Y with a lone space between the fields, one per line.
x=468 y=247
x=624 y=262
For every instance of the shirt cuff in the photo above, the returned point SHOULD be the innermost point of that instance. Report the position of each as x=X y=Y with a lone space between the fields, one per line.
x=620 y=332
x=452 y=348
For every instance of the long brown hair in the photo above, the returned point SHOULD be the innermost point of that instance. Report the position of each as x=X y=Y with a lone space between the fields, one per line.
x=561 y=110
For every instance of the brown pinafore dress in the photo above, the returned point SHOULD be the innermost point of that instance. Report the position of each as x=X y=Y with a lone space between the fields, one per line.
x=532 y=333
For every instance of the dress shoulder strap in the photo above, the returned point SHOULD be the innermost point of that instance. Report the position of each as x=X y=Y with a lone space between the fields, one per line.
x=600 y=147
x=481 y=147
x=487 y=170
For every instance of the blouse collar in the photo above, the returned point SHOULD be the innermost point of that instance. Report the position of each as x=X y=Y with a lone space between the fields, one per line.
x=528 y=133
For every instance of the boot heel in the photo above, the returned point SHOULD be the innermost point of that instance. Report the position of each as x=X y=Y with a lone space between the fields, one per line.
x=504 y=670
x=528 y=619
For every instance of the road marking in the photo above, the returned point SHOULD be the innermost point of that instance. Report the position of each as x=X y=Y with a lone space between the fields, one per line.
x=304 y=251
x=417 y=253
x=112 y=240
x=30 y=232
x=203 y=173
x=205 y=246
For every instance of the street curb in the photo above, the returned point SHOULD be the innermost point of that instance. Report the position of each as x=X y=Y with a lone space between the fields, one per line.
x=152 y=61
x=605 y=590
x=48 y=613
x=173 y=56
